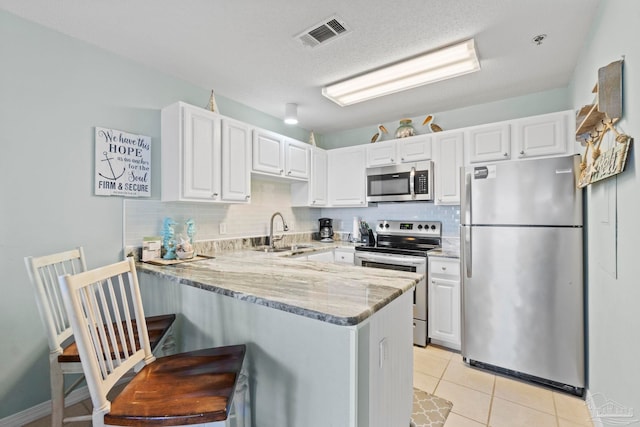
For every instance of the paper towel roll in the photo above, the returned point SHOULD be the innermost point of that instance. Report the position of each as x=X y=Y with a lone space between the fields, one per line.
x=355 y=233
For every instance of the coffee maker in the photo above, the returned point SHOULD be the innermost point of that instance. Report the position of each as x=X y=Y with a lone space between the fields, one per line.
x=326 y=229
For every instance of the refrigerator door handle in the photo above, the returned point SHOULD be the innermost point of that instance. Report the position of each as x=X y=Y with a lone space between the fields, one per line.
x=467 y=199
x=467 y=251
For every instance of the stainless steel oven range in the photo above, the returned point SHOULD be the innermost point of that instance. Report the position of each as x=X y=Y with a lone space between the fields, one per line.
x=403 y=245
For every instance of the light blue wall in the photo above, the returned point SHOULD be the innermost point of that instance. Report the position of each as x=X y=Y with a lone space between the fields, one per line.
x=53 y=91
x=613 y=317
x=506 y=109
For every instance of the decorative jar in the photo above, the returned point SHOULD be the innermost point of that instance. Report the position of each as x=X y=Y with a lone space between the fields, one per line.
x=405 y=129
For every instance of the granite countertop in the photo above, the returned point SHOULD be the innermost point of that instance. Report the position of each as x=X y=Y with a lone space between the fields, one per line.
x=444 y=253
x=335 y=293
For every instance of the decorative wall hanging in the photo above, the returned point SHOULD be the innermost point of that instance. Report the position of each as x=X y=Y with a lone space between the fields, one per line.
x=122 y=164
x=594 y=121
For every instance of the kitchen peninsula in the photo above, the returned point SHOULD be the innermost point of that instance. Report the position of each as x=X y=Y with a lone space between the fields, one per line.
x=327 y=344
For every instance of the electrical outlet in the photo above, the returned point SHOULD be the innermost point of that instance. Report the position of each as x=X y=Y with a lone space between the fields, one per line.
x=223 y=228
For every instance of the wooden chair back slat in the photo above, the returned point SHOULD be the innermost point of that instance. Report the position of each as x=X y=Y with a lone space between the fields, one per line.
x=103 y=318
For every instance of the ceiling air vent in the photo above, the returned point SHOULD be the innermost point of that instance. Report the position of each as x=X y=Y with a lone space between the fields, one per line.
x=329 y=29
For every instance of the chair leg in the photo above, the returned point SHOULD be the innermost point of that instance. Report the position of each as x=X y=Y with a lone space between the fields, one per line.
x=57 y=391
x=242 y=401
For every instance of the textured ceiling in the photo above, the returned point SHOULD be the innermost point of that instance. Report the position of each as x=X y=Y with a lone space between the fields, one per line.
x=246 y=50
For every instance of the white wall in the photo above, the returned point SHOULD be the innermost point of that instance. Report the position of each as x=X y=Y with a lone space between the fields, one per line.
x=613 y=319
x=53 y=91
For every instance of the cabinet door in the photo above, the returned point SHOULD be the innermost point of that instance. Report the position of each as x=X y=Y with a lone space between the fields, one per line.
x=268 y=152
x=321 y=256
x=296 y=159
x=448 y=160
x=344 y=256
x=200 y=155
x=489 y=143
x=544 y=135
x=236 y=155
x=318 y=181
x=444 y=311
x=415 y=148
x=381 y=154
x=347 y=179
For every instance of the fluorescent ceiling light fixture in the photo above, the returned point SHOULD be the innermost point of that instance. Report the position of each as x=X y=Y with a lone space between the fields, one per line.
x=441 y=64
x=291 y=114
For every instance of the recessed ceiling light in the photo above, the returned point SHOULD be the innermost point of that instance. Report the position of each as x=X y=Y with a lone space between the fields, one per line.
x=444 y=63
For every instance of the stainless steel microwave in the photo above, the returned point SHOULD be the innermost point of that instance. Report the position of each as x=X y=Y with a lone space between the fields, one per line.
x=400 y=183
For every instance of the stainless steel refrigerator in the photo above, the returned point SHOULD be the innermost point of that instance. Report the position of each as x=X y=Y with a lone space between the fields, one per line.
x=522 y=270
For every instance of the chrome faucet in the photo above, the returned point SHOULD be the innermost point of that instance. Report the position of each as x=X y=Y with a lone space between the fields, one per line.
x=285 y=227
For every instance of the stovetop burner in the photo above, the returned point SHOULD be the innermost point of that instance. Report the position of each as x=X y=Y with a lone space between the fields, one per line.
x=406 y=237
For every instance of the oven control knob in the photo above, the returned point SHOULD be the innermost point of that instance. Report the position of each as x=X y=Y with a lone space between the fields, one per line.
x=433 y=227
x=419 y=226
x=386 y=226
x=381 y=226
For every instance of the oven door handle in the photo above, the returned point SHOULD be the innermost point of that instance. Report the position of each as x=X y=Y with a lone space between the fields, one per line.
x=391 y=259
x=412 y=182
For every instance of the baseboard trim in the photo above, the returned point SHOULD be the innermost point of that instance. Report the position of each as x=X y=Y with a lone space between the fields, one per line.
x=43 y=409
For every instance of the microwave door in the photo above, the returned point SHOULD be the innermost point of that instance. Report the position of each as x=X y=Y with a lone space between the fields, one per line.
x=388 y=187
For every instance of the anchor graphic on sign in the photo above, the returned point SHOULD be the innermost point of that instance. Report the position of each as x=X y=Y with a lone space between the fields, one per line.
x=113 y=174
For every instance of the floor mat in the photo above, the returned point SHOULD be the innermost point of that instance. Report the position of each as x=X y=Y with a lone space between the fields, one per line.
x=429 y=410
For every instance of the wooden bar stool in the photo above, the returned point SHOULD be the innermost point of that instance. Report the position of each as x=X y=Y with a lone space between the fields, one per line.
x=63 y=352
x=105 y=311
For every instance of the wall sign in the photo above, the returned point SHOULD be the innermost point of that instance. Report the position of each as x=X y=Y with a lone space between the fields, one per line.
x=123 y=164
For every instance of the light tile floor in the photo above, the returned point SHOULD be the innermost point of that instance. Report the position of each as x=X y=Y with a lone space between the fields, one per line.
x=480 y=399
x=483 y=399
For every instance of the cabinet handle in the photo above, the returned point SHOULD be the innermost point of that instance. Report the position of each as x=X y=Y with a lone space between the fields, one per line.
x=402 y=159
x=444 y=268
x=506 y=154
x=361 y=202
x=247 y=197
x=313 y=202
x=392 y=160
x=289 y=173
x=214 y=195
x=281 y=170
x=522 y=153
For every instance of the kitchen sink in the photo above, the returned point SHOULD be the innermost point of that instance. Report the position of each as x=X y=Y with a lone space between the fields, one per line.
x=282 y=248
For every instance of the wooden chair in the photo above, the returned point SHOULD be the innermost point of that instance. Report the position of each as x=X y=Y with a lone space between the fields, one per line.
x=194 y=388
x=63 y=352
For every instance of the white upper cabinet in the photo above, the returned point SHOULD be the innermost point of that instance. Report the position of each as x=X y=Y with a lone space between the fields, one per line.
x=404 y=150
x=296 y=159
x=236 y=161
x=415 y=148
x=382 y=154
x=347 y=176
x=276 y=155
x=448 y=158
x=544 y=135
x=488 y=143
x=193 y=157
x=268 y=152
x=314 y=192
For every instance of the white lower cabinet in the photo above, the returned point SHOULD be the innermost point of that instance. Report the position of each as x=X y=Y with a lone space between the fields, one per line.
x=347 y=177
x=444 y=317
x=344 y=255
x=326 y=256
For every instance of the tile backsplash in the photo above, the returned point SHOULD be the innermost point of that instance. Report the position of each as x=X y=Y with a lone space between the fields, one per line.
x=417 y=211
x=144 y=217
